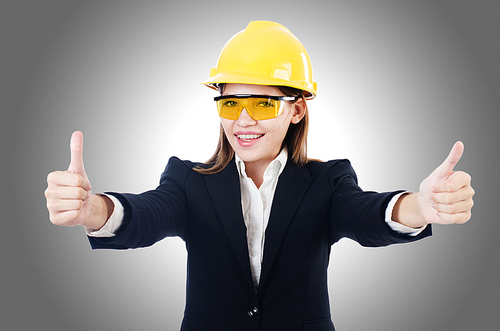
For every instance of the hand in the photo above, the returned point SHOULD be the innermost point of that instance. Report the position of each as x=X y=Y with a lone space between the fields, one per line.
x=69 y=194
x=445 y=196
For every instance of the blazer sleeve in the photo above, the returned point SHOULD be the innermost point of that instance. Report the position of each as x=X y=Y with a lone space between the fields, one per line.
x=152 y=215
x=360 y=215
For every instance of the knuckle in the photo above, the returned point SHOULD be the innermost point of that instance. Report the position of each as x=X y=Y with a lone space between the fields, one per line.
x=50 y=191
x=468 y=177
x=50 y=205
x=63 y=219
x=83 y=194
x=54 y=177
x=78 y=192
x=469 y=215
x=440 y=207
x=450 y=186
x=447 y=198
x=451 y=209
x=78 y=180
x=50 y=177
x=55 y=219
x=470 y=203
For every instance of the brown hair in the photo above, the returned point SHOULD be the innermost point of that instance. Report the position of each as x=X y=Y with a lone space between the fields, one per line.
x=295 y=140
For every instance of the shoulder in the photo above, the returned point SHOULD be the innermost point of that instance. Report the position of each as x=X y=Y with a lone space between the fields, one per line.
x=334 y=172
x=178 y=169
x=338 y=167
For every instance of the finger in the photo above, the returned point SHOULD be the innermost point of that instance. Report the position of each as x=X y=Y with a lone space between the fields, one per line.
x=454 y=182
x=455 y=208
x=448 y=198
x=458 y=218
x=76 y=147
x=64 y=178
x=67 y=192
x=64 y=205
x=66 y=218
x=446 y=168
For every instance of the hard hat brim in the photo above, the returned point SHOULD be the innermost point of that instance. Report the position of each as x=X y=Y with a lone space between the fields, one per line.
x=253 y=79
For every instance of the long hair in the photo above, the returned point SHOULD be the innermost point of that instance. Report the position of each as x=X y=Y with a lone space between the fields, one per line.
x=295 y=140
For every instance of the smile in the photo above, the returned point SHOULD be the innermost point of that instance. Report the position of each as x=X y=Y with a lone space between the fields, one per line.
x=248 y=136
x=248 y=139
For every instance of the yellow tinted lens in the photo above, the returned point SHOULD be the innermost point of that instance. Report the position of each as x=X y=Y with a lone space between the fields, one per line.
x=264 y=108
x=229 y=108
x=258 y=108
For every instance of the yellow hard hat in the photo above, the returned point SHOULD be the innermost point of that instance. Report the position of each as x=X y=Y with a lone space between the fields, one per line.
x=265 y=53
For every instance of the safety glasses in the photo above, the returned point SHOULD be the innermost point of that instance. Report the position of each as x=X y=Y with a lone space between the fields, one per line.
x=259 y=107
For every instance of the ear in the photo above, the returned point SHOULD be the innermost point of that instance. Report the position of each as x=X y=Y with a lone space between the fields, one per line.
x=299 y=111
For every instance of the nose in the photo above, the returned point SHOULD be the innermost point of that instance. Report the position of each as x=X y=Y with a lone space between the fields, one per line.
x=245 y=119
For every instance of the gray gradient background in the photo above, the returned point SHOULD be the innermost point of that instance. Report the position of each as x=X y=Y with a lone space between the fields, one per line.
x=399 y=83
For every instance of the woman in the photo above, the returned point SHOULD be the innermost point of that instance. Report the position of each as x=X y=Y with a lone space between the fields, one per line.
x=259 y=217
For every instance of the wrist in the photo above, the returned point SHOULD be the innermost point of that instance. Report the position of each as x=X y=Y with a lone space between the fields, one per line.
x=100 y=212
x=407 y=211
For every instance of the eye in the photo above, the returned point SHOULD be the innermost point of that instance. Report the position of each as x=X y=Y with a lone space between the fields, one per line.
x=230 y=103
x=266 y=104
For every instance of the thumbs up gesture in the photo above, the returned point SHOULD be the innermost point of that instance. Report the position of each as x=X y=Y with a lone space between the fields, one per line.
x=69 y=194
x=445 y=196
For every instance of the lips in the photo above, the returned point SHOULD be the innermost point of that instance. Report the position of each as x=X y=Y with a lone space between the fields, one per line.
x=249 y=136
x=248 y=139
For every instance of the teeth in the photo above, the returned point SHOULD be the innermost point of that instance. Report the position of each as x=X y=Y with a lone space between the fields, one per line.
x=249 y=136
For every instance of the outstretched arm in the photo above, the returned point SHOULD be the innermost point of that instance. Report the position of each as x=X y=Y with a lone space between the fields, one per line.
x=69 y=195
x=445 y=197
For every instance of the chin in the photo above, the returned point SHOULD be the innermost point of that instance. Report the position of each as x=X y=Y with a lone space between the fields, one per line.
x=246 y=156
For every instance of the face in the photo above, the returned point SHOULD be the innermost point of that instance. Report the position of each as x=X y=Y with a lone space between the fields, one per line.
x=259 y=142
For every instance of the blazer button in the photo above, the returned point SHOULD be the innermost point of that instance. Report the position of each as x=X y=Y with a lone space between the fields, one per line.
x=253 y=312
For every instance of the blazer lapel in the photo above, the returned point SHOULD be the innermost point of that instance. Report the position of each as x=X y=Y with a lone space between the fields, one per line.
x=225 y=192
x=292 y=185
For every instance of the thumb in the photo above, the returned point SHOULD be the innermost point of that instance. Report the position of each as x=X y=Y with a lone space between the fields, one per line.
x=76 y=147
x=446 y=168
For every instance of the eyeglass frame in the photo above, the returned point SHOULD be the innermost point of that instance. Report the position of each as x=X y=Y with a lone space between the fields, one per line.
x=246 y=96
x=256 y=96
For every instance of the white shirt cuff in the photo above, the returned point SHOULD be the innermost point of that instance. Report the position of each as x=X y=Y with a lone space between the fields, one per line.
x=398 y=227
x=113 y=223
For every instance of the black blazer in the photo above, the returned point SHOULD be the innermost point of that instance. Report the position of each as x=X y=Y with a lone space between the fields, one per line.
x=313 y=207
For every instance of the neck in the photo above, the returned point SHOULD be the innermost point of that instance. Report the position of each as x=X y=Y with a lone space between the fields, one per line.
x=255 y=170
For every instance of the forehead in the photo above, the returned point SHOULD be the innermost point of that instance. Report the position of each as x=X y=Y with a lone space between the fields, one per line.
x=250 y=89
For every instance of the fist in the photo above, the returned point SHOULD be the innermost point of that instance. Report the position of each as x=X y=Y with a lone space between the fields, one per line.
x=68 y=193
x=445 y=196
